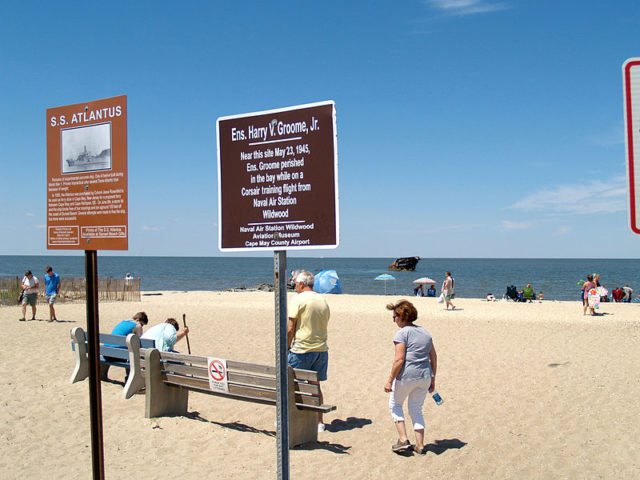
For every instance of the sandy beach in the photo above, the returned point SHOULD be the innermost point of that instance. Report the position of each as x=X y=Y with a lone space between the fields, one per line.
x=530 y=391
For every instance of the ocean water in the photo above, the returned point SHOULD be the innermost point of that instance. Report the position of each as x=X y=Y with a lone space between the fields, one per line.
x=557 y=278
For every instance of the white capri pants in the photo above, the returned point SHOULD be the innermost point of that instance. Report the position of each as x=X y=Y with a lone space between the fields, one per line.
x=416 y=392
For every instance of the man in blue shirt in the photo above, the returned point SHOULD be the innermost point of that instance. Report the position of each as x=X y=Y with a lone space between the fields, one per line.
x=52 y=284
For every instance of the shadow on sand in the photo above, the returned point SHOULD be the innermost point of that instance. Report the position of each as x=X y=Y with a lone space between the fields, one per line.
x=440 y=446
x=47 y=321
x=241 y=427
x=350 y=423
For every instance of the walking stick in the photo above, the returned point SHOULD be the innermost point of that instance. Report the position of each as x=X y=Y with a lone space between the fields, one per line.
x=184 y=322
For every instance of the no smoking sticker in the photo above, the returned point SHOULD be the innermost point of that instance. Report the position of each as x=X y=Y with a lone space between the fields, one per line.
x=217 y=368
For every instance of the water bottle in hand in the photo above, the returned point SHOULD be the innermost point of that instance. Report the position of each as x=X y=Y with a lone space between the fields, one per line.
x=437 y=398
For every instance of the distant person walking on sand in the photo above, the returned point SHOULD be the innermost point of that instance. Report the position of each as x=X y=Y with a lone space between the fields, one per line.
x=52 y=289
x=307 y=331
x=413 y=374
x=166 y=334
x=128 y=281
x=628 y=291
x=586 y=286
x=448 y=288
x=30 y=288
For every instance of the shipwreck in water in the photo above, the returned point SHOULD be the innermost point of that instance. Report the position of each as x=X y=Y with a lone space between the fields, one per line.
x=404 y=263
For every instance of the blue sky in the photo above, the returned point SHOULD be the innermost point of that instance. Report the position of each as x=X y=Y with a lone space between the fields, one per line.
x=466 y=128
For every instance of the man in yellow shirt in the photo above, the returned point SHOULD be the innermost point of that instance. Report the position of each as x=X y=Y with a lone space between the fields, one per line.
x=307 y=331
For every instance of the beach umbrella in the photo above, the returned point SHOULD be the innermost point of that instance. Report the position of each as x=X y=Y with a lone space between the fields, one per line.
x=386 y=277
x=424 y=281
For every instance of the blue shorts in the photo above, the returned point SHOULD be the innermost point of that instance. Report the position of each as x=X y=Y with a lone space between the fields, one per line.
x=316 y=361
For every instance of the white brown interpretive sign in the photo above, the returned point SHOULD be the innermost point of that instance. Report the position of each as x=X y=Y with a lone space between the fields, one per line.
x=631 y=86
x=87 y=176
x=278 y=179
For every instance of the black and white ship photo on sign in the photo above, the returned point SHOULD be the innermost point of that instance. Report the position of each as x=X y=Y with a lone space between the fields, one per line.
x=86 y=149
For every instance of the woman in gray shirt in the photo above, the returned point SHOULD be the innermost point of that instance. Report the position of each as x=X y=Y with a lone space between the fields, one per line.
x=413 y=374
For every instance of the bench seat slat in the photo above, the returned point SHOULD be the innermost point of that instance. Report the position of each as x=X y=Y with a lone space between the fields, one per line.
x=316 y=408
x=119 y=340
x=182 y=369
x=270 y=382
x=308 y=388
x=122 y=364
x=147 y=343
x=308 y=375
x=246 y=379
x=251 y=367
x=115 y=352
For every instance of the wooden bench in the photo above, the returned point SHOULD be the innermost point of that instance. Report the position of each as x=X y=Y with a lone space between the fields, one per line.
x=126 y=354
x=170 y=377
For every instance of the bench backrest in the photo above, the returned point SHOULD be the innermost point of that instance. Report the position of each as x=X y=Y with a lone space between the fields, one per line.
x=116 y=345
x=246 y=381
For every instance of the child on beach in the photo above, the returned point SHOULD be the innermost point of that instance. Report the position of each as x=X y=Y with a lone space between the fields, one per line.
x=586 y=286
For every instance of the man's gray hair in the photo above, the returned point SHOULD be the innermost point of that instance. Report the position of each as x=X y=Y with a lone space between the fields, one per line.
x=306 y=277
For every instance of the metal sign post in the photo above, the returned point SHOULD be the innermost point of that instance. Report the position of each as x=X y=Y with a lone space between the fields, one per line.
x=93 y=334
x=282 y=375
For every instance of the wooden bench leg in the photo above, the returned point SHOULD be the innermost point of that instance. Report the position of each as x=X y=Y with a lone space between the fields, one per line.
x=135 y=379
x=303 y=424
x=81 y=370
x=161 y=399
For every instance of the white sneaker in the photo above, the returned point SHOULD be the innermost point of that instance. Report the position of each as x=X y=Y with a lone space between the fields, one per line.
x=320 y=427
